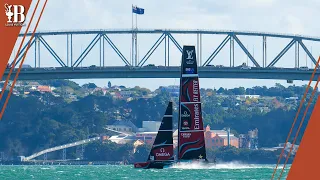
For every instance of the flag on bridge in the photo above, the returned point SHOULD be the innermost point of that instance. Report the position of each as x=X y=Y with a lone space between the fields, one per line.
x=137 y=10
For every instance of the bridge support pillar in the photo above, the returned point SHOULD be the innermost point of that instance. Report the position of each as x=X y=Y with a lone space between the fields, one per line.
x=1 y=156
x=82 y=152
x=231 y=51
x=45 y=157
x=297 y=55
x=64 y=154
x=264 y=51
x=199 y=48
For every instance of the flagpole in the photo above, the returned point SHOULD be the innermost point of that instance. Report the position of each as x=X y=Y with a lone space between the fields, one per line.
x=132 y=36
x=136 y=36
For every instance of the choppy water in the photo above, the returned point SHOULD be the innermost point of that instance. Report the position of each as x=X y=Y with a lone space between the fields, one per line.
x=230 y=171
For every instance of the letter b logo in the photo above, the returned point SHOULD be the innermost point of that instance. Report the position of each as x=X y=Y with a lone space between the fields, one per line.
x=17 y=12
x=18 y=15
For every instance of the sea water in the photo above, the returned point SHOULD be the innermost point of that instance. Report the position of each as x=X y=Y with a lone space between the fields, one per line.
x=230 y=171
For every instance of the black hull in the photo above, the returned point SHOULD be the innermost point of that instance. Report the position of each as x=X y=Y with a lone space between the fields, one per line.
x=152 y=165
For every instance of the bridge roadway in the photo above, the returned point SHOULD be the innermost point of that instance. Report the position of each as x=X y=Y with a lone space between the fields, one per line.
x=160 y=72
x=28 y=158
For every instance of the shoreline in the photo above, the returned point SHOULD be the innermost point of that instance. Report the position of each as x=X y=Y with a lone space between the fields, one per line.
x=99 y=163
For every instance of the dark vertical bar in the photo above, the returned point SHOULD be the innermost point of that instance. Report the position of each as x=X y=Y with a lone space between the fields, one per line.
x=263 y=63
x=200 y=49
x=71 y=50
x=67 y=49
x=168 y=51
x=296 y=53
x=198 y=39
x=233 y=50
x=103 y=51
x=230 y=52
x=298 y=56
x=100 y=50
x=132 y=52
x=165 y=50
x=38 y=52
x=264 y=51
x=35 y=53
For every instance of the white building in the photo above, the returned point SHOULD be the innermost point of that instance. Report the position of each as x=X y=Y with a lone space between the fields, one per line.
x=244 y=97
x=151 y=126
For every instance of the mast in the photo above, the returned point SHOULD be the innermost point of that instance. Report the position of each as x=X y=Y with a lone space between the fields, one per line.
x=191 y=143
x=162 y=148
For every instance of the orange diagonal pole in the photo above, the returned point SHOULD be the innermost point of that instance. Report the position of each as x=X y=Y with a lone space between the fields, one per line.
x=296 y=117
x=297 y=133
x=16 y=57
x=24 y=56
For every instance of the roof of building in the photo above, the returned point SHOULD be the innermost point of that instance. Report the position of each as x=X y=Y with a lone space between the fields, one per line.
x=33 y=84
x=119 y=137
x=147 y=132
x=124 y=122
x=44 y=88
x=220 y=132
x=225 y=135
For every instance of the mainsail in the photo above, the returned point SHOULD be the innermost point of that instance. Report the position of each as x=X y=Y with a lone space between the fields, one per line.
x=191 y=143
x=162 y=149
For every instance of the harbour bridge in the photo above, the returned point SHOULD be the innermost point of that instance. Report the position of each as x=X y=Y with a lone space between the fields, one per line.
x=125 y=62
x=128 y=65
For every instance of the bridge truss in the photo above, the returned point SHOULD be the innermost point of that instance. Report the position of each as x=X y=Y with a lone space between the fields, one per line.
x=166 y=37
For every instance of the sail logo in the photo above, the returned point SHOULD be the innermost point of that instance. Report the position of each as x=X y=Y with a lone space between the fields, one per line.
x=186 y=135
x=185 y=114
x=190 y=57
x=17 y=12
x=190 y=70
x=195 y=90
x=185 y=123
x=196 y=116
x=163 y=153
x=190 y=53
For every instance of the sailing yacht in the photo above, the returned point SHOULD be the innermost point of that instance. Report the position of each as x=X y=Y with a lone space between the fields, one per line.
x=161 y=153
x=191 y=142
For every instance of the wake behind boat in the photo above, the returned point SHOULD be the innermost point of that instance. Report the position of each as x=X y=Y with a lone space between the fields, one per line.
x=161 y=153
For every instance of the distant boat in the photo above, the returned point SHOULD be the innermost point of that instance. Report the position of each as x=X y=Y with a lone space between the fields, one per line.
x=161 y=153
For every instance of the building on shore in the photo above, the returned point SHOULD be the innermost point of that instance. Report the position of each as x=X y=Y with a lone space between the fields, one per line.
x=214 y=138
x=146 y=137
x=150 y=126
x=219 y=138
x=146 y=134
x=123 y=139
x=249 y=140
x=123 y=125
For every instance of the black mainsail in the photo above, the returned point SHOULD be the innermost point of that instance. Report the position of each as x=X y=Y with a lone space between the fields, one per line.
x=162 y=148
x=191 y=142
x=161 y=153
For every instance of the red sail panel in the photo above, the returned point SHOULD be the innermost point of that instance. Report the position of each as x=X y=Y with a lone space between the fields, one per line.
x=163 y=153
x=192 y=145
x=190 y=89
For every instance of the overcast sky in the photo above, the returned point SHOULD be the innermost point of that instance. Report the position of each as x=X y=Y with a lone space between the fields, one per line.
x=285 y=16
